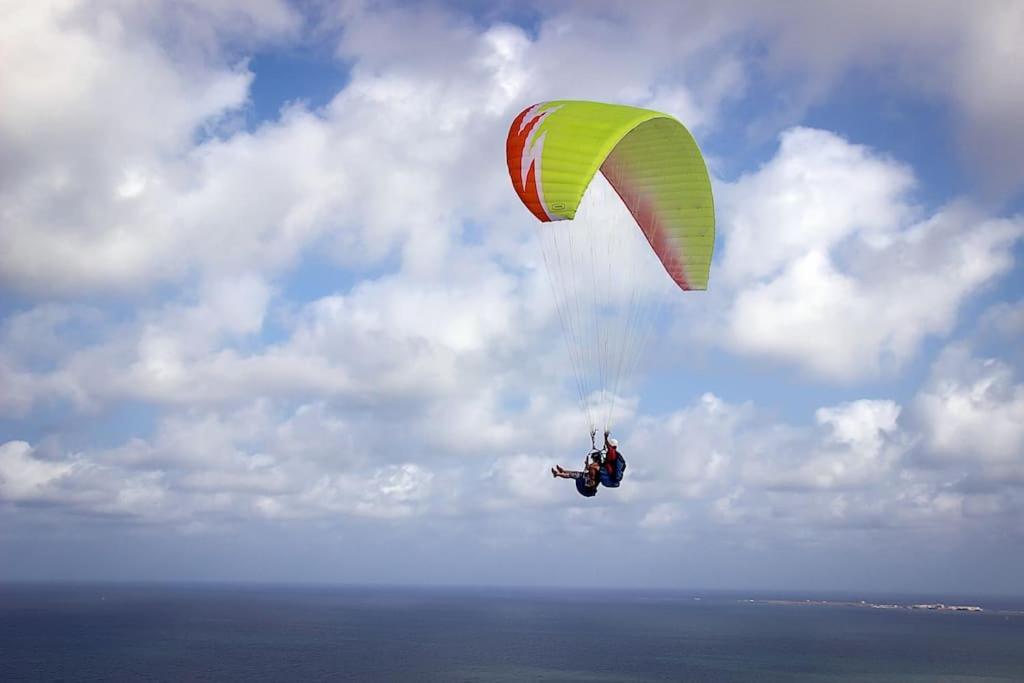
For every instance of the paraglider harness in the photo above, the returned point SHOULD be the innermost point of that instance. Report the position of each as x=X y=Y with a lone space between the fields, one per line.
x=608 y=474
x=586 y=486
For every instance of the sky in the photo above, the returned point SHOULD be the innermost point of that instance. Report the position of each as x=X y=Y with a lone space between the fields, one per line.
x=270 y=309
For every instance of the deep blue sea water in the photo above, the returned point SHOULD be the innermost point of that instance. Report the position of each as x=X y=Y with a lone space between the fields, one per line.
x=231 y=633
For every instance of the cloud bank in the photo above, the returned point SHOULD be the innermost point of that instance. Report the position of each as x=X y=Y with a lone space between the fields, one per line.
x=168 y=367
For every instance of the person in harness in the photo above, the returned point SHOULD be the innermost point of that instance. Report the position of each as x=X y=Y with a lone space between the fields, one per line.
x=613 y=465
x=586 y=479
x=604 y=466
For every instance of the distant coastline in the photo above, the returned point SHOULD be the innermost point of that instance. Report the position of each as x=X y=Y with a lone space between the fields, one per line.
x=928 y=606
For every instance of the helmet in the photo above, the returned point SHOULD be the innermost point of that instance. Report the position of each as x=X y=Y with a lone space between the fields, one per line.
x=614 y=443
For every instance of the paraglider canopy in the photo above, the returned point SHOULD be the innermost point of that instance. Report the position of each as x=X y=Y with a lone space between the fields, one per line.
x=607 y=283
x=555 y=148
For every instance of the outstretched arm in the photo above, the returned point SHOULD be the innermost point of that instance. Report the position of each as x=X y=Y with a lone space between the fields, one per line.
x=610 y=454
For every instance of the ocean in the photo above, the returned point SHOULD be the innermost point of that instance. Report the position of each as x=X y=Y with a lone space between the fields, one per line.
x=106 y=632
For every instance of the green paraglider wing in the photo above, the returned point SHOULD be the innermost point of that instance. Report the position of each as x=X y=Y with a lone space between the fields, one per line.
x=555 y=148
